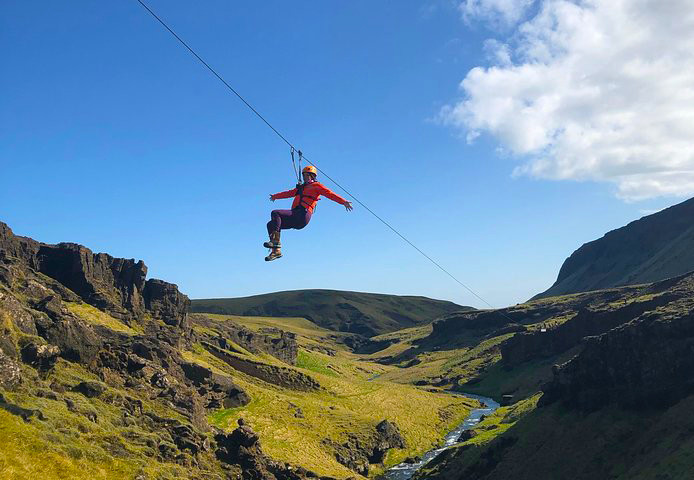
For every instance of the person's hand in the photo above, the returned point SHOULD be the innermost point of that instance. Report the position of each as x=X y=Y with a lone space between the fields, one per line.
x=272 y=199
x=348 y=206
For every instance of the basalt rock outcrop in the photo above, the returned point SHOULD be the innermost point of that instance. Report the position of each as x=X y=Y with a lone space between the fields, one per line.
x=116 y=285
x=273 y=374
x=595 y=317
x=121 y=341
x=359 y=452
x=619 y=408
x=242 y=448
x=647 y=361
x=278 y=343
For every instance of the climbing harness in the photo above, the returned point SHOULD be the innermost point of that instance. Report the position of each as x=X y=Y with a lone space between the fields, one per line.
x=300 y=184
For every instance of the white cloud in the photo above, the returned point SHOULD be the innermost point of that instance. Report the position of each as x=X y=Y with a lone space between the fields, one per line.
x=590 y=90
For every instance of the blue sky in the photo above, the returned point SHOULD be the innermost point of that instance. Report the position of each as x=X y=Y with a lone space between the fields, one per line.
x=112 y=136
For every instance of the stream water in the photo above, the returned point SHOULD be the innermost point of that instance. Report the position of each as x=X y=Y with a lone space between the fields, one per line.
x=405 y=471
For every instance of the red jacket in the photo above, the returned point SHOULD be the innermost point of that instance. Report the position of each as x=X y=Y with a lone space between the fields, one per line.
x=311 y=193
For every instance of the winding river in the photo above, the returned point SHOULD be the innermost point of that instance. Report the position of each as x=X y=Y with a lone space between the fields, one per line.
x=405 y=471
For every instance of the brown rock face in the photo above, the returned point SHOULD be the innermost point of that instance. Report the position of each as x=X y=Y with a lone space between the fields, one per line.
x=278 y=343
x=647 y=361
x=359 y=453
x=587 y=322
x=116 y=285
x=164 y=301
x=242 y=447
x=112 y=284
x=22 y=248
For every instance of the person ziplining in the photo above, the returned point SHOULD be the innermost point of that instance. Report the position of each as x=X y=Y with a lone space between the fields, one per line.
x=298 y=218
x=306 y=195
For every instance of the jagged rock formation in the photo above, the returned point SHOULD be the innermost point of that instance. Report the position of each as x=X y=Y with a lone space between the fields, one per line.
x=63 y=305
x=366 y=314
x=358 y=453
x=278 y=343
x=284 y=377
x=646 y=361
x=654 y=248
x=619 y=408
x=242 y=447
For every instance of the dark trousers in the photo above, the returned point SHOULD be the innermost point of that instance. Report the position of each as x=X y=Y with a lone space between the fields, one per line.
x=296 y=218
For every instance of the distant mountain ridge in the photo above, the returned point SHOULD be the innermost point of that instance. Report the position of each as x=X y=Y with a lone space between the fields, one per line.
x=367 y=314
x=650 y=249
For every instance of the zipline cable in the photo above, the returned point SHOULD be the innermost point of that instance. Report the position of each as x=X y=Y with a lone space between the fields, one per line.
x=284 y=139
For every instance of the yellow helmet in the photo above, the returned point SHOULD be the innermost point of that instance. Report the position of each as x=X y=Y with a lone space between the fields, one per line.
x=310 y=169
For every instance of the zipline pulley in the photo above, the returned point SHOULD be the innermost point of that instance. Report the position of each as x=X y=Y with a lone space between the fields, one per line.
x=297 y=171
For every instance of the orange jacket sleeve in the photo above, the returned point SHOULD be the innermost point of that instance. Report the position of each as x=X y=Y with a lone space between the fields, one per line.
x=285 y=194
x=332 y=195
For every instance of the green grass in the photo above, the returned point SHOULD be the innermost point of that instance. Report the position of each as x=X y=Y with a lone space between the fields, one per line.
x=67 y=445
x=378 y=313
x=609 y=443
x=95 y=316
x=502 y=419
x=348 y=403
x=314 y=362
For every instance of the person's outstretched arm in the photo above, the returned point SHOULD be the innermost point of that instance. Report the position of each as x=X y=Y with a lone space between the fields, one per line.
x=285 y=194
x=335 y=197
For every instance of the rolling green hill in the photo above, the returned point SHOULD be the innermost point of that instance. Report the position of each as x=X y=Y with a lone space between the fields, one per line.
x=366 y=314
x=654 y=248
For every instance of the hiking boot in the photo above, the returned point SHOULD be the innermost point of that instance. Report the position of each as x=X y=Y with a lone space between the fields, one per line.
x=274 y=255
x=274 y=241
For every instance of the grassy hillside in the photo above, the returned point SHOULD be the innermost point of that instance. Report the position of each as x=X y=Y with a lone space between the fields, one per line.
x=618 y=403
x=558 y=443
x=654 y=248
x=367 y=314
x=351 y=401
x=65 y=443
x=105 y=375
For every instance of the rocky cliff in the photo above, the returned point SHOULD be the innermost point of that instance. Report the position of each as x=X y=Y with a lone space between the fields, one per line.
x=93 y=354
x=654 y=248
x=620 y=407
x=645 y=361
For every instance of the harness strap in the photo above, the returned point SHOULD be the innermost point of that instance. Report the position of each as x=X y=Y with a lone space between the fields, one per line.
x=300 y=191
x=296 y=172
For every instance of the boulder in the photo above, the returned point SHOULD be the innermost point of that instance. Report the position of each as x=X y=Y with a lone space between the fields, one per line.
x=24 y=413
x=90 y=389
x=358 y=453
x=41 y=357
x=466 y=435
x=10 y=372
x=186 y=438
x=217 y=390
x=77 y=340
x=242 y=448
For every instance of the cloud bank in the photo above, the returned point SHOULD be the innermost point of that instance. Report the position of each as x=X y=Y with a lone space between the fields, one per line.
x=588 y=90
